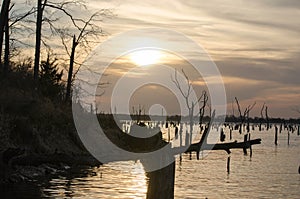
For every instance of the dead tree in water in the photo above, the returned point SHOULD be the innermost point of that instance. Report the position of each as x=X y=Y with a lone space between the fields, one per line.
x=202 y=109
x=161 y=182
x=276 y=135
x=267 y=118
x=189 y=103
x=203 y=145
x=245 y=116
x=261 y=116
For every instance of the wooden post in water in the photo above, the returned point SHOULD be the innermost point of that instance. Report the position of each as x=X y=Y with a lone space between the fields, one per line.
x=280 y=128
x=180 y=140
x=276 y=135
x=228 y=164
x=169 y=136
x=288 y=137
x=245 y=140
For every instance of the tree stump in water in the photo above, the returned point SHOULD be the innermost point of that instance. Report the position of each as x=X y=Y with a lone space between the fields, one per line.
x=276 y=135
x=161 y=183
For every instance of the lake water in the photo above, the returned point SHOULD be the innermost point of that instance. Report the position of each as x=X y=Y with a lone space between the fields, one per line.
x=272 y=172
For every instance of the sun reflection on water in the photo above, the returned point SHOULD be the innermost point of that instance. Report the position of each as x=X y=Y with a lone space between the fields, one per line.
x=113 y=180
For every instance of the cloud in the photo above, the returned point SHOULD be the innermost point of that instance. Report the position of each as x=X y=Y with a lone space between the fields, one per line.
x=255 y=44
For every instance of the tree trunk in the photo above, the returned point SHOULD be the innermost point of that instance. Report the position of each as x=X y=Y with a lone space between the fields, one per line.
x=6 y=54
x=38 y=36
x=161 y=183
x=3 y=14
x=70 y=75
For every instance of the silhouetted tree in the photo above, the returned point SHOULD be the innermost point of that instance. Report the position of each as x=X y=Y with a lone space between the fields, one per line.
x=50 y=79
x=38 y=35
x=186 y=95
x=3 y=23
x=244 y=117
x=202 y=108
x=13 y=25
x=62 y=7
x=261 y=116
x=86 y=29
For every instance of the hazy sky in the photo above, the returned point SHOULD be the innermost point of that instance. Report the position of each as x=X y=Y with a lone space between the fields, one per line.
x=255 y=44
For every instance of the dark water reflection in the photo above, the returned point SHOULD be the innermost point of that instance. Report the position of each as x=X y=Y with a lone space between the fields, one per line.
x=271 y=173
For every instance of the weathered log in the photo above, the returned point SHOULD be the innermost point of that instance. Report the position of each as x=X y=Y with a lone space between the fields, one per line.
x=223 y=146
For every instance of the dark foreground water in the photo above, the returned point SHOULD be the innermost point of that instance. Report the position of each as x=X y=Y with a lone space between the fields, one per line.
x=272 y=172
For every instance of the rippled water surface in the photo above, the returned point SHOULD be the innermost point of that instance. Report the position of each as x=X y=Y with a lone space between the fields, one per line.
x=272 y=172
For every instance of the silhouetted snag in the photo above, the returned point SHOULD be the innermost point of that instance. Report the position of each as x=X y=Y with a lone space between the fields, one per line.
x=222 y=135
x=276 y=135
x=245 y=116
x=228 y=164
x=38 y=35
x=202 y=109
x=161 y=183
x=245 y=148
x=267 y=118
x=261 y=116
x=224 y=146
x=190 y=104
x=88 y=29
x=70 y=74
x=203 y=145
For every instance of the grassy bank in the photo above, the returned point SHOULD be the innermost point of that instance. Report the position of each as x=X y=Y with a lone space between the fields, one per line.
x=36 y=124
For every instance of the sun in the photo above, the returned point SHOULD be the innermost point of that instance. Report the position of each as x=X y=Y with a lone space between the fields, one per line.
x=145 y=57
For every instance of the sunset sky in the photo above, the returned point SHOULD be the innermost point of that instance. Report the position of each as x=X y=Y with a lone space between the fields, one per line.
x=255 y=44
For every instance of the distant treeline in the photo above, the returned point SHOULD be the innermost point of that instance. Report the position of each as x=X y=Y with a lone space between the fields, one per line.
x=178 y=118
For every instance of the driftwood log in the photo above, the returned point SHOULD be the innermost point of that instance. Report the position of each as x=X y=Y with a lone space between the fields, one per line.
x=223 y=146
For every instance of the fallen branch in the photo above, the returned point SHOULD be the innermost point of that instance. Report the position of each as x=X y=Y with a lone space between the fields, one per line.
x=223 y=146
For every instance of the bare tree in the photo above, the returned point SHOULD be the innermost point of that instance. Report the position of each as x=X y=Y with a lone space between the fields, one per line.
x=189 y=103
x=267 y=118
x=87 y=29
x=244 y=117
x=186 y=95
x=14 y=28
x=261 y=116
x=38 y=35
